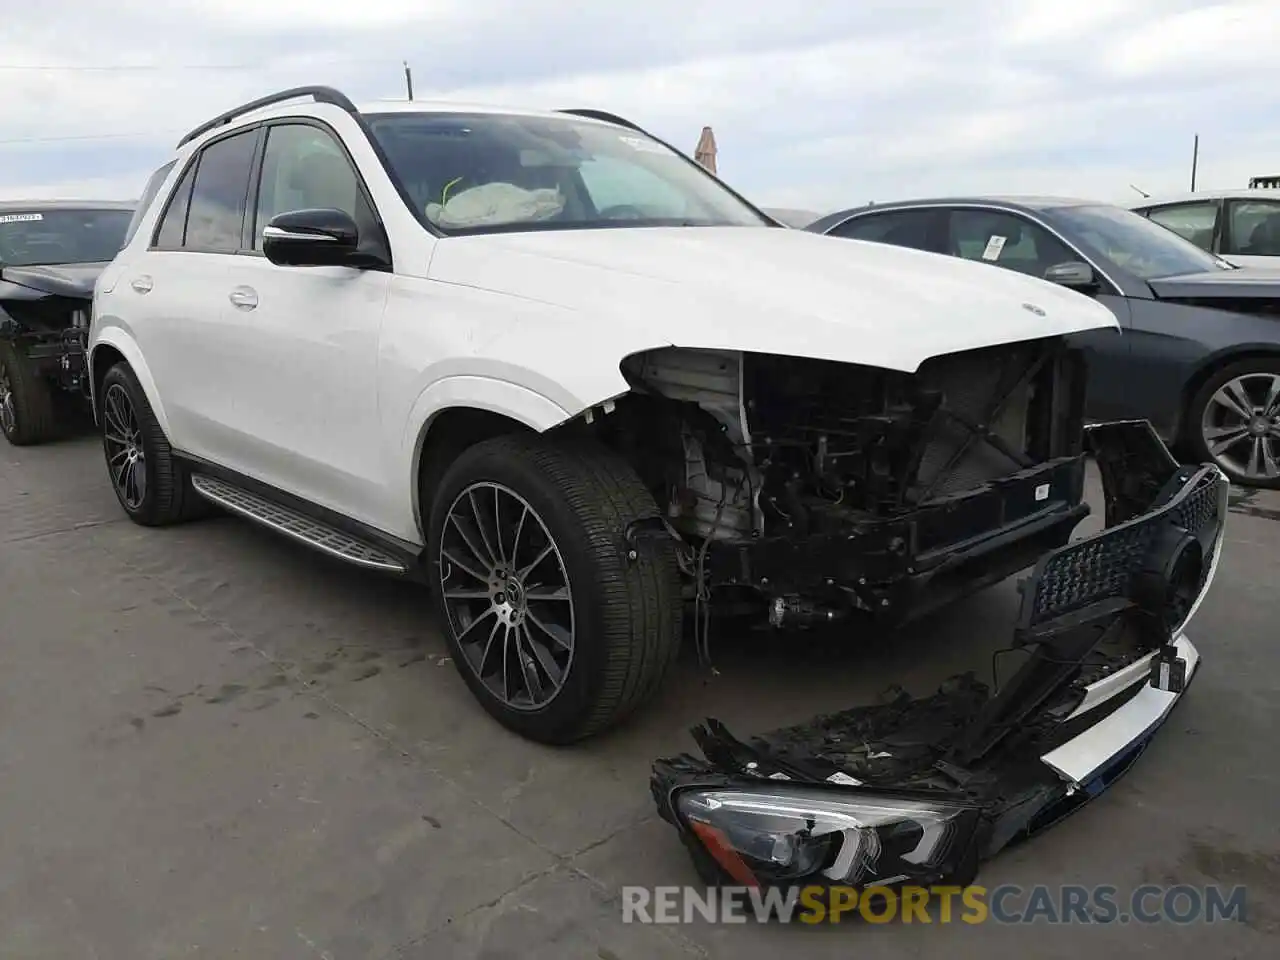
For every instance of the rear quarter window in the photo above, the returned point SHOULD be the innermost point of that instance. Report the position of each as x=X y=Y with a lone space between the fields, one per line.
x=147 y=199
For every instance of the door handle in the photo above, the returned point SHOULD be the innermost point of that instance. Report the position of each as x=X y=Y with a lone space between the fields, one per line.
x=244 y=298
x=141 y=284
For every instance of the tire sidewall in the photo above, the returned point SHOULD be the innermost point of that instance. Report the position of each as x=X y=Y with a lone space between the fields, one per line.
x=582 y=685
x=120 y=375
x=1195 y=414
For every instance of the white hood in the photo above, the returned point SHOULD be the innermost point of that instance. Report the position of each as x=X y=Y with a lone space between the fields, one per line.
x=764 y=290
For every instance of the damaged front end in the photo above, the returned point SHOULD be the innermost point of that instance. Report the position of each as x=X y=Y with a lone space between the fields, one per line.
x=921 y=791
x=45 y=318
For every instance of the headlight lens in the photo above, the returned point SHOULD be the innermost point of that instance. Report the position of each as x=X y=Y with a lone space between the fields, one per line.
x=772 y=836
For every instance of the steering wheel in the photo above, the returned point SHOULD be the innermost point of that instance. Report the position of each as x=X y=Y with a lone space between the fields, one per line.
x=622 y=211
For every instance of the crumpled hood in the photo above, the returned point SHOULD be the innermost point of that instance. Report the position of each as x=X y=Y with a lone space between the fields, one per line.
x=62 y=280
x=768 y=290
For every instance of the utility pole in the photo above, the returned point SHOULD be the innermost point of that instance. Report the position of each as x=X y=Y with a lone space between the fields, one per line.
x=1195 y=160
x=408 y=79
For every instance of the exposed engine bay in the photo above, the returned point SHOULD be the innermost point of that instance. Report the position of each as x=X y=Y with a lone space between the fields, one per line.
x=820 y=484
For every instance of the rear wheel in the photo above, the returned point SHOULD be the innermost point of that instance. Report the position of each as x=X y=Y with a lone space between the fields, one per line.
x=152 y=486
x=1234 y=421
x=559 y=626
x=26 y=400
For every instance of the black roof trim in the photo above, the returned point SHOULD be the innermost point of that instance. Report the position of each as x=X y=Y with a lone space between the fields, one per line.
x=605 y=116
x=319 y=94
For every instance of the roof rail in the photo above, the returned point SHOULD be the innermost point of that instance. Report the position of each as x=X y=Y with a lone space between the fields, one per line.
x=319 y=94
x=603 y=115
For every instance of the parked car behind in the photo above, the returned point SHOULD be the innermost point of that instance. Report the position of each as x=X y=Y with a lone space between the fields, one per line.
x=1241 y=226
x=1200 y=357
x=50 y=254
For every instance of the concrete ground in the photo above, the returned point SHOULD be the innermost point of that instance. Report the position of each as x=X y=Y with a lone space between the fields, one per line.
x=214 y=743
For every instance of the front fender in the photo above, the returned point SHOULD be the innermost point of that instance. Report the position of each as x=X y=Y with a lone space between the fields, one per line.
x=478 y=392
x=120 y=340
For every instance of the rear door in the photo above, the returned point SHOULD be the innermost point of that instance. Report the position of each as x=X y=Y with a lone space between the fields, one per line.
x=179 y=293
x=920 y=228
x=1199 y=221
x=1251 y=232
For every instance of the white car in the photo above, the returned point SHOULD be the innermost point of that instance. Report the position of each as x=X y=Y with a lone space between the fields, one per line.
x=556 y=370
x=1241 y=226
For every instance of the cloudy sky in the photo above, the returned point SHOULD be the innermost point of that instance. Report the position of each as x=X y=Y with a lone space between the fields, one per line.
x=815 y=103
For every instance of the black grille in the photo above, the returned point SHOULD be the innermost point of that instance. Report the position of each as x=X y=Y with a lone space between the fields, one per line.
x=1103 y=567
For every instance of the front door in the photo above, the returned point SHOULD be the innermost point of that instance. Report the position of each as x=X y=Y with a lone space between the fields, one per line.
x=305 y=400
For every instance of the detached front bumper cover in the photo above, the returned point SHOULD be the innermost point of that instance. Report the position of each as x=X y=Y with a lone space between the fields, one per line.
x=920 y=791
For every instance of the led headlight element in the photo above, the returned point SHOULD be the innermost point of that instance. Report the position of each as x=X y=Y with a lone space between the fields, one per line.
x=779 y=835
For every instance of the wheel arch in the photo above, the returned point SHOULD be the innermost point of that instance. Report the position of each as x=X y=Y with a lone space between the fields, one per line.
x=113 y=347
x=457 y=412
x=1210 y=366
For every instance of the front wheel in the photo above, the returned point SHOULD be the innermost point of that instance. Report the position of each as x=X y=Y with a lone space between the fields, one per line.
x=559 y=626
x=26 y=400
x=1234 y=421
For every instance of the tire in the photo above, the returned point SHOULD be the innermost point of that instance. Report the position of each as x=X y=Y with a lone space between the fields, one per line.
x=1253 y=460
x=622 y=604
x=157 y=491
x=27 y=414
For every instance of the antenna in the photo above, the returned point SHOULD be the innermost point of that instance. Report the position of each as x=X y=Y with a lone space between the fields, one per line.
x=1145 y=195
x=1195 y=160
x=408 y=79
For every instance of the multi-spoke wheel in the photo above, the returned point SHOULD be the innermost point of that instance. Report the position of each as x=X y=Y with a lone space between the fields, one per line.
x=506 y=593
x=122 y=441
x=26 y=401
x=558 y=623
x=149 y=482
x=1236 y=416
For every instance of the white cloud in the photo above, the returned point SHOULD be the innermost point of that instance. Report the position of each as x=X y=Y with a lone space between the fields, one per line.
x=815 y=105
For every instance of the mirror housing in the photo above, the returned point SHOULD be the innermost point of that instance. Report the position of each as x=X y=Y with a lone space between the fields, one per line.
x=1073 y=275
x=311 y=238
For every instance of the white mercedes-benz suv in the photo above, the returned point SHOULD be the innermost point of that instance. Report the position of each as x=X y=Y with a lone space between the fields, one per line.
x=551 y=367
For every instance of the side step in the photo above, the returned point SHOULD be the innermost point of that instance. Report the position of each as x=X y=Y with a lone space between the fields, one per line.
x=293 y=524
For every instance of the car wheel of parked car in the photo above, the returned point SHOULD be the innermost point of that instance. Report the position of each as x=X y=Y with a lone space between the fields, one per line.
x=1234 y=420
x=558 y=623
x=152 y=486
x=26 y=400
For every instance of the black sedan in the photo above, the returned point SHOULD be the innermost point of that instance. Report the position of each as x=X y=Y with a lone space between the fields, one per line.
x=1200 y=352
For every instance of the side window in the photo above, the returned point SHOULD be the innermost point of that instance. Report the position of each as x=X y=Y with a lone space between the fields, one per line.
x=614 y=183
x=1255 y=228
x=900 y=228
x=1191 y=221
x=1007 y=240
x=144 y=202
x=216 y=216
x=173 y=225
x=303 y=168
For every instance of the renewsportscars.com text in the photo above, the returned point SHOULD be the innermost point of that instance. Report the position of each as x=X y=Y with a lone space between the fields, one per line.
x=1008 y=904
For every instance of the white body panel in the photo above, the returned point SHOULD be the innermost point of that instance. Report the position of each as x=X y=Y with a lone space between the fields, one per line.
x=324 y=390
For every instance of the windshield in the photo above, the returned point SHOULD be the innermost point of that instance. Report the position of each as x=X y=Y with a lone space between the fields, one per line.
x=477 y=173
x=39 y=237
x=1147 y=250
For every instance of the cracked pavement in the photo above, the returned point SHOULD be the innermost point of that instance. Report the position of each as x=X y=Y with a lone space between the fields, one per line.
x=215 y=743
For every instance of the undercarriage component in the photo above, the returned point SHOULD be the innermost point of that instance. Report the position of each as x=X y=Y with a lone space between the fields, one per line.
x=921 y=790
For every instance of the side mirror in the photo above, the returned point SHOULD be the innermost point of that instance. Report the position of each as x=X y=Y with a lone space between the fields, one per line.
x=1075 y=275
x=311 y=238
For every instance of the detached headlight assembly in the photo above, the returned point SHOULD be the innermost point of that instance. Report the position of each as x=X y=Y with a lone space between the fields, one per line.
x=780 y=836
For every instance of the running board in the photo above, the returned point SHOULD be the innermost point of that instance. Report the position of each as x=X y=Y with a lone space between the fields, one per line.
x=293 y=524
